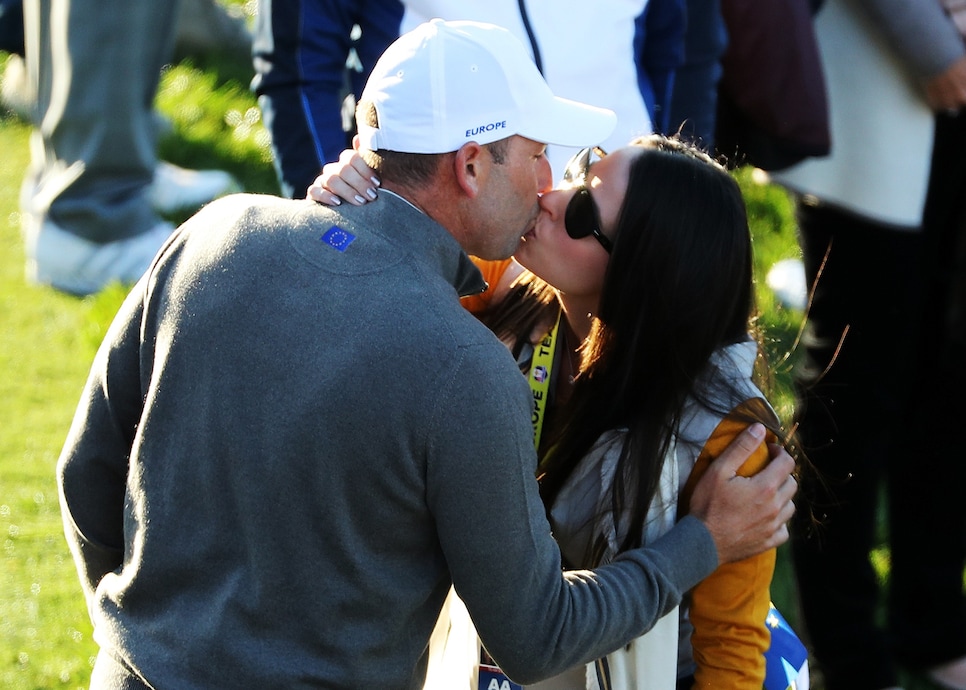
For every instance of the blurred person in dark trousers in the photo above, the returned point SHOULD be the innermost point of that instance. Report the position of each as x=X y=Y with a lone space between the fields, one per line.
x=95 y=192
x=881 y=223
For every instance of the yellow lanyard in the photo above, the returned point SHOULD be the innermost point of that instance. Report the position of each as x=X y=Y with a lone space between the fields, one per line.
x=541 y=367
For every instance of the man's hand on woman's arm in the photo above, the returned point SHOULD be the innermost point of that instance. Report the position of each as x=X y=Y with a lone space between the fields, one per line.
x=746 y=515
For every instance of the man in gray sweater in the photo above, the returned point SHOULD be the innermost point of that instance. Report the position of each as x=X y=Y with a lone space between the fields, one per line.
x=294 y=438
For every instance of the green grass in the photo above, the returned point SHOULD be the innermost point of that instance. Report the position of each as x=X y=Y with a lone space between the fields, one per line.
x=47 y=340
x=44 y=632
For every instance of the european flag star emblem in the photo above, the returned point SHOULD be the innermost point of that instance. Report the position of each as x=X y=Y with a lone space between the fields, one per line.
x=337 y=238
x=786 y=660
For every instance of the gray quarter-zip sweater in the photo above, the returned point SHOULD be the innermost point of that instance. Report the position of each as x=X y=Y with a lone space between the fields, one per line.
x=292 y=440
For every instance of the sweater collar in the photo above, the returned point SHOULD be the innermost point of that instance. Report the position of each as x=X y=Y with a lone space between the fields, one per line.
x=430 y=239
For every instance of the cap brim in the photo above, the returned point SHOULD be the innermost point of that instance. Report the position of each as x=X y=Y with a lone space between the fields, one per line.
x=570 y=123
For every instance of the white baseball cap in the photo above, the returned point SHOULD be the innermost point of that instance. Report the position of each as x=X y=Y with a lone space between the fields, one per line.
x=444 y=84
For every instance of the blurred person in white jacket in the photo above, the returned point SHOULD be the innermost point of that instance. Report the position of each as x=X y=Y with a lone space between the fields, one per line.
x=621 y=55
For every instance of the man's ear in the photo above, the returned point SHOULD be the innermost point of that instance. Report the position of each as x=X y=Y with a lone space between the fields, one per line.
x=355 y=142
x=472 y=167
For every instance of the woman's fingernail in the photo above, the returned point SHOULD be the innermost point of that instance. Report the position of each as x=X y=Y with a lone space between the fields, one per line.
x=371 y=193
x=360 y=199
x=336 y=200
x=375 y=181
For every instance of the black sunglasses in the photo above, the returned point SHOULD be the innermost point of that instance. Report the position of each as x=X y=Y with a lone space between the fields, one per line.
x=582 y=217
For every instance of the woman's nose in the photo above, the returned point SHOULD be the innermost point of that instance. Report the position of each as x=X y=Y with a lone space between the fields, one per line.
x=544 y=175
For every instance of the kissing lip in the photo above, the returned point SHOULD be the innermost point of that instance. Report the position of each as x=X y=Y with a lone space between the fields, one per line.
x=532 y=233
